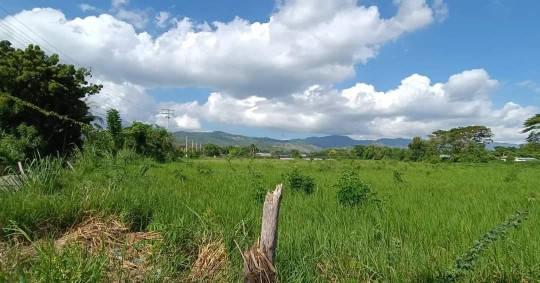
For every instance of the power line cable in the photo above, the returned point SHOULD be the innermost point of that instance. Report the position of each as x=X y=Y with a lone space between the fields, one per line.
x=31 y=41
x=44 y=40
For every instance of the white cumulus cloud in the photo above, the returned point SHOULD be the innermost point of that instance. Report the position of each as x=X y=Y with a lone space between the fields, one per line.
x=304 y=42
x=416 y=107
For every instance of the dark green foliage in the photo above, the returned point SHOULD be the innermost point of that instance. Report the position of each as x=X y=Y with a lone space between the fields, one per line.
x=150 y=141
x=212 y=150
x=397 y=176
x=41 y=80
x=204 y=170
x=114 y=128
x=180 y=175
x=258 y=186
x=299 y=182
x=466 y=261
x=351 y=190
x=296 y=154
x=22 y=142
x=532 y=126
x=418 y=149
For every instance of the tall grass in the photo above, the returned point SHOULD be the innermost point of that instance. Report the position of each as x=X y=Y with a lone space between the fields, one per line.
x=41 y=174
x=427 y=218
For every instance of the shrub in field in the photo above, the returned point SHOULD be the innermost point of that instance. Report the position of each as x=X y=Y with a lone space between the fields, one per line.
x=180 y=174
x=257 y=185
x=351 y=190
x=300 y=182
x=204 y=170
x=398 y=176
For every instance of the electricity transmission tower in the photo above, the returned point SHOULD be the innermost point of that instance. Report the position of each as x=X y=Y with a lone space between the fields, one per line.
x=168 y=114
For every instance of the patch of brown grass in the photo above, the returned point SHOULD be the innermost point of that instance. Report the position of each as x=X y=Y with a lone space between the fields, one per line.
x=129 y=253
x=257 y=266
x=211 y=264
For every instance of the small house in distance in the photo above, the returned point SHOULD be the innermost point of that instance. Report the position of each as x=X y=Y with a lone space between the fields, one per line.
x=525 y=159
x=263 y=154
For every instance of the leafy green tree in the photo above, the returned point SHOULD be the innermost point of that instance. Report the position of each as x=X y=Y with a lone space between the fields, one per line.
x=418 y=149
x=532 y=126
x=211 y=149
x=457 y=140
x=30 y=81
x=253 y=149
x=295 y=153
x=21 y=143
x=150 y=141
x=114 y=128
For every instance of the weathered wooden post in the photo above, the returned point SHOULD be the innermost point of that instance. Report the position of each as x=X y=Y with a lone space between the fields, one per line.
x=259 y=260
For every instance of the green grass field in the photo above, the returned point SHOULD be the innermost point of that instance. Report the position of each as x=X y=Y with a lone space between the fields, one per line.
x=427 y=217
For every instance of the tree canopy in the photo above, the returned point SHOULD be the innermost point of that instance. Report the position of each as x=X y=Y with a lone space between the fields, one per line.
x=45 y=96
x=532 y=126
x=458 y=140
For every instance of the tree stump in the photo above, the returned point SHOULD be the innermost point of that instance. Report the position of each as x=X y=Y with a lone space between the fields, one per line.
x=259 y=259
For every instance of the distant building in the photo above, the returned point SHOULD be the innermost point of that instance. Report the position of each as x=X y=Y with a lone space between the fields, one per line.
x=263 y=154
x=525 y=159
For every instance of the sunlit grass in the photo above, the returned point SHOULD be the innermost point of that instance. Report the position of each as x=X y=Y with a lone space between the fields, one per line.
x=428 y=218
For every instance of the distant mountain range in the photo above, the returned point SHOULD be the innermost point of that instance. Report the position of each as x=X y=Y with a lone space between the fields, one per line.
x=305 y=145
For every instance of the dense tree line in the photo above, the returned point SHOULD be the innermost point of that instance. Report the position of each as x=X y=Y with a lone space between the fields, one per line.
x=146 y=140
x=42 y=107
x=43 y=110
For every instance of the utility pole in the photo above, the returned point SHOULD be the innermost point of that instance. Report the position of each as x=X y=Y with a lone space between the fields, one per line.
x=186 y=146
x=168 y=114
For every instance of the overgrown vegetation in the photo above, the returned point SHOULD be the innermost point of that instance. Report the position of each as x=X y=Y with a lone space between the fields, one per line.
x=351 y=191
x=299 y=182
x=417 y=233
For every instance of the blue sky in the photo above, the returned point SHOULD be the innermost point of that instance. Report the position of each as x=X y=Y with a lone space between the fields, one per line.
x=431 y=64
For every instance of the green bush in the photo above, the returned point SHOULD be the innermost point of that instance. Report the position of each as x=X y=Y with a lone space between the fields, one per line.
x=351 y=190
x=398 y=176
x=258 y=186
x=300 y=182
x=19 y=145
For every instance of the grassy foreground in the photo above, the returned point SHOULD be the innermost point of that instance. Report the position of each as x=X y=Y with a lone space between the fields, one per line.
x=429 y=216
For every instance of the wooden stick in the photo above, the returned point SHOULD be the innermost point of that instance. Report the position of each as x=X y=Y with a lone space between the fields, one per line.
x=270 y=218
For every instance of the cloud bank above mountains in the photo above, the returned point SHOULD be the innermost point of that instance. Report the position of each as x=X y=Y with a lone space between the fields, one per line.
x=277 y=74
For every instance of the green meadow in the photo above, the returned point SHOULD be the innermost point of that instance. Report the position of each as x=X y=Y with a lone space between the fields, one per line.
x=423 y=222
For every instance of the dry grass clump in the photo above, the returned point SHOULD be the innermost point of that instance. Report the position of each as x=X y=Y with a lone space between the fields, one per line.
x=257 y=267
x=211 y=264
x=129 y=253
x=94 y=234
